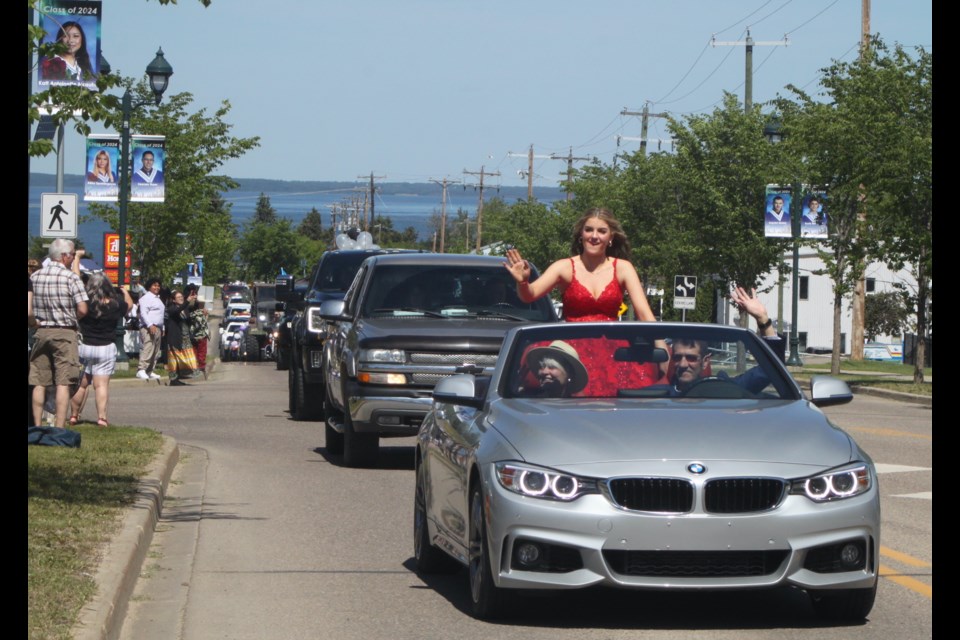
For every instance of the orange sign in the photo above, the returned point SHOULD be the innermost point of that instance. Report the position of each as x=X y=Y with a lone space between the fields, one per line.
x=111 y=256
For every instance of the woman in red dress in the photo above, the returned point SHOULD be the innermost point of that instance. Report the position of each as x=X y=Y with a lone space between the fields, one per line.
x=592 y=283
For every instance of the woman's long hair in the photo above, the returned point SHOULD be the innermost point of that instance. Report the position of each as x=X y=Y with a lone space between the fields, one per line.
x=619 y=247
x=109 y=168
x=101 y=293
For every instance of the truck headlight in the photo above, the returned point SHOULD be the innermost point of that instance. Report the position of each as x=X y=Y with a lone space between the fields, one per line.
x=382 y=356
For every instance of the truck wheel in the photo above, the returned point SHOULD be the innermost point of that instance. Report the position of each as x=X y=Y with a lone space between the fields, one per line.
x=252 y=347
x=308 y=404
x=283 y=358
x=359 y=449
x=291 y=391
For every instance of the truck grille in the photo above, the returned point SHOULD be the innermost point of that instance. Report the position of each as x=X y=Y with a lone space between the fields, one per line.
x=447 y=363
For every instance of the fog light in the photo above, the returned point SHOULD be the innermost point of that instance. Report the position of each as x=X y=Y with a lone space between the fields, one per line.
x=527 y=554
x=850 y=555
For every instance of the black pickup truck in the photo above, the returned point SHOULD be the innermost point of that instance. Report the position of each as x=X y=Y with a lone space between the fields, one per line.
x=307 y=331
x=407 y=322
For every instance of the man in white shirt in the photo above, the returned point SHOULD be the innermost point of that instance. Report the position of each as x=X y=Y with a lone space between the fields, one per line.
x=151 y=309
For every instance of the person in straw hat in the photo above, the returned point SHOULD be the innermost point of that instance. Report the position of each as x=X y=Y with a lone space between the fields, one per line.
x=558 y=370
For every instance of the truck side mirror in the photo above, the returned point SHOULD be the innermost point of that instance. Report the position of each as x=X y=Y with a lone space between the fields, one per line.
x=284 y=287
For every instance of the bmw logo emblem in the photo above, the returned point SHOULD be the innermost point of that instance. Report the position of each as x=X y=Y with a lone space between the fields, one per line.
x=696 y=467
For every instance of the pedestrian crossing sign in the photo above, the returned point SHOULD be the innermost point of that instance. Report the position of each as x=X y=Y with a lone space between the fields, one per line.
x=58 y=215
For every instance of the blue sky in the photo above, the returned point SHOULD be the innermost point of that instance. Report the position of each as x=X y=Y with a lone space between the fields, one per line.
x=415 y=90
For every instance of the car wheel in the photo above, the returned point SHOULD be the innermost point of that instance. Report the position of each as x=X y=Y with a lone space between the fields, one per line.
x=428 y=558
x=333 y=438
x=850 y=605
x=252 y=347
x=359 y=449
x=489 y=600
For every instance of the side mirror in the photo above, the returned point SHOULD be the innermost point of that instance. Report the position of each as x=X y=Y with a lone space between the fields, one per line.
x=826 y=391
x=332 y=310
x=284 y=287
x=460 y=389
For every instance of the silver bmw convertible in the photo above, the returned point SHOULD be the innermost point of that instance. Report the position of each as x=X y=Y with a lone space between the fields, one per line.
x=645 y=456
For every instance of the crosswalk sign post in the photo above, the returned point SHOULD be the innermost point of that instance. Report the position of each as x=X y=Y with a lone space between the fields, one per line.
x=58 y=215
x=684 y=293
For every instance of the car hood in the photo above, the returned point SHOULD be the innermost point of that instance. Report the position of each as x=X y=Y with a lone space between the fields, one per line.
x=611 y=437
x=434 y=334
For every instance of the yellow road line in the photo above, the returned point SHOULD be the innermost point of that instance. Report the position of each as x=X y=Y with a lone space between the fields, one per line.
x=905 y=581
x=890 y=432
x=887 y=552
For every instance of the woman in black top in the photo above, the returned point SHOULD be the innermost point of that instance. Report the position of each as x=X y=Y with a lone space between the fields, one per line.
x=98 y=350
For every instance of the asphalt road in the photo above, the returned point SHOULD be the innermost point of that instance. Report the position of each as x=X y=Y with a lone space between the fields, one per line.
x=265 y=536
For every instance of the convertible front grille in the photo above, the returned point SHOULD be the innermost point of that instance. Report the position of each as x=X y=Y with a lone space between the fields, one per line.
x=743 y=495
x=694 y=564
x=657 y=495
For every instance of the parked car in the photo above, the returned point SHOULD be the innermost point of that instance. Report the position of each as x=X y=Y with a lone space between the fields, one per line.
x=712 y=478
x=406 y=322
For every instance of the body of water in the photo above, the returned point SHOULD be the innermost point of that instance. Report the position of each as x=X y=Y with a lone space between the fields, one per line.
x=405 y=210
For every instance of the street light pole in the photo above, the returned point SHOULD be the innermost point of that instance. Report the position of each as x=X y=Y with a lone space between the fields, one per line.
x=794 y=359
x=159 y=72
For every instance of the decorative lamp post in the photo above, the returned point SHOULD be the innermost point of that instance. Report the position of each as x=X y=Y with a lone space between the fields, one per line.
x=159 y=72
x=772 y=131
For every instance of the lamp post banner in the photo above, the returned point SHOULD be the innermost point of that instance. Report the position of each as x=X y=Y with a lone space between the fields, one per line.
x=149 y=157
x=102 y=183
x=75 y=24
x=776 y=217
x=813 y=224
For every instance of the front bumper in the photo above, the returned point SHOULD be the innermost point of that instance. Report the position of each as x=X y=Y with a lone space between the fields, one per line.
x=598 y=544
x=389 y=416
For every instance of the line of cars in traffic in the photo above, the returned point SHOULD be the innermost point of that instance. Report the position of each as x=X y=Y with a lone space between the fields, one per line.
x=735 y=480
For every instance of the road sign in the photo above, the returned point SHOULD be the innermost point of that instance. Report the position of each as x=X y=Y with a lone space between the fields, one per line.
x=685 y=292
x=58 y=215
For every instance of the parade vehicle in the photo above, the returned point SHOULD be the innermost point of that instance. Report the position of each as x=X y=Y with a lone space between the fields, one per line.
x=718 y=475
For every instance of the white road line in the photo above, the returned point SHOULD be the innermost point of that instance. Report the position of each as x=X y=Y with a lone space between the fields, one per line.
x=898 y=468
x=923 y=495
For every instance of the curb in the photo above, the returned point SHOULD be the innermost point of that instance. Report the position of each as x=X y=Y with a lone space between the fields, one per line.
x=102 y=617
x=893 y=395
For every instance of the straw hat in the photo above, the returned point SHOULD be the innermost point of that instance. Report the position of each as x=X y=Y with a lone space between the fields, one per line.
x=567 y=356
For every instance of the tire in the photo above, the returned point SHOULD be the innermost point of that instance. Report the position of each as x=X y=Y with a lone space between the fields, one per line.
x=333 y=439
x=428 y=558
x=844 y=605
x=307 y=405
x=252 y=346
x=282 y=358
x=360 y=450
x=291 y=391
x=488 y=600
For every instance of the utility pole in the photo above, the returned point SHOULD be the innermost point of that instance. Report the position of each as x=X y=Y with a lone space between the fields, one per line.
x=530 y=157
x=858 y=306
x=748 y=73
x=443 y=212
x=481 y=173
x=644 y=124
x=373 y=191
x=569 y=158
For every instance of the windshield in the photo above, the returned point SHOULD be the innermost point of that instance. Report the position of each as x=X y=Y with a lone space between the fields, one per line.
x=337 y=271
x=644 y=360
x=447 y=291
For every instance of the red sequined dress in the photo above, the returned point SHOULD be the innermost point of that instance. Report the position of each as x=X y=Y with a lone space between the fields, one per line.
x=606 y=375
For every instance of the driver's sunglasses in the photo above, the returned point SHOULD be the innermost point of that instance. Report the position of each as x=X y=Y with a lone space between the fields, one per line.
x=689 y=357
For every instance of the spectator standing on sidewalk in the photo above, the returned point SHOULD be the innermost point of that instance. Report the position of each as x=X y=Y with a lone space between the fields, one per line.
x=59 y=302
x=181 y=359
x=98 y=353
x=151 y=330
x=199 y=328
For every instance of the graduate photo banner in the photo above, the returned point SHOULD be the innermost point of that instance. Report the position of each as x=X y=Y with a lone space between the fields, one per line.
x=776 y=217
x=148 y=154
x=813 y=223
x=102 y=182
x=76 y=24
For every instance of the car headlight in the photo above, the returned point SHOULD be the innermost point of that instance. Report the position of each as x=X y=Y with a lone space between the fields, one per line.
x=538 y=482
x=834 y=485
x=381 y=356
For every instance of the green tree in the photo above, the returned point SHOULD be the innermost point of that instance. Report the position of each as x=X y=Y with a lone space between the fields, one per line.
x=197 y=145
x=886 y=313
x=264 y=211
x=265 y=247
x=312 y=226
